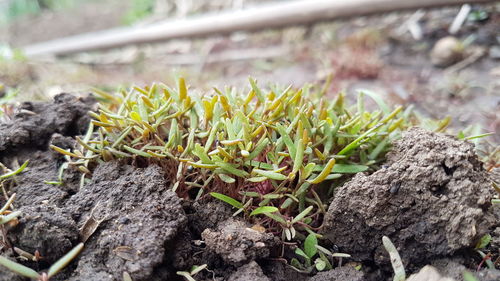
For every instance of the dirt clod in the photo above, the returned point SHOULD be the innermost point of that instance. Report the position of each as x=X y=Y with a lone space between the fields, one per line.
x=428 y=273
x=35 y=123
x=248 y=272
x=237 y=243
x=339 y=274
x=207 y=213
x=43 y=226
x=442 y=204
x=142 y=215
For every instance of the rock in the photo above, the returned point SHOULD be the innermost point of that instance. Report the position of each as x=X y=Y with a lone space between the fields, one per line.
x=237 y=243
x=453 y=269
x=428 y=273
x=447 y=51
x=142 y=216
x=339 y=274
x=249 y=272
x=432 y=200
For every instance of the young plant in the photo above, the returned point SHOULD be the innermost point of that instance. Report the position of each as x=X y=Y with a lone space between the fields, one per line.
x=188 y=275
x=6 y=215
x=314 y=256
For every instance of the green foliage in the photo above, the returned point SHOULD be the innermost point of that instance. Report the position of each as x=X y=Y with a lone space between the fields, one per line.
x=263 y=210
x=140 y=9
x=483 y=242
x=276 y=155
x=13 y=173
x=227 y=199
x=468 y=276
x=188 y=275
x=6 y=215
x=314 y=256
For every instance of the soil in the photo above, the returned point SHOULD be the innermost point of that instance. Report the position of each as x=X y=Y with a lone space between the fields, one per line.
x=249 y=272
x=340 y=274
x=237 y=243
x=431 y=198
x=34 y=123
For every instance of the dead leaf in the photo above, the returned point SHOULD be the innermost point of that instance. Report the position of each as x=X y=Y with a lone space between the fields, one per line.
x=126 y=253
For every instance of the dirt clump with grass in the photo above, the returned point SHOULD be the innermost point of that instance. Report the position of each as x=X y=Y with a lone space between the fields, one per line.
x=431 y=198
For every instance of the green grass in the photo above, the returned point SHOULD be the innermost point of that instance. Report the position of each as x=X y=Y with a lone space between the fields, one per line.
x=275 y=155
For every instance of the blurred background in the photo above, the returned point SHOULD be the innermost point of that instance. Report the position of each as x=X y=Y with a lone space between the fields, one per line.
x=444 y=61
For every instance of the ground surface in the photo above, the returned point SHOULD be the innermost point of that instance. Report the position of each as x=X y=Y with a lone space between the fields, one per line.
x=376 y=53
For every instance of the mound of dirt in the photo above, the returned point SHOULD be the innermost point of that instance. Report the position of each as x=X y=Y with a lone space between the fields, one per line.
x=34 y=123
x=249 y=272
x=26 y=136
x=142 y=214
x=432 y=199
x=339 y=274
x=237 y=243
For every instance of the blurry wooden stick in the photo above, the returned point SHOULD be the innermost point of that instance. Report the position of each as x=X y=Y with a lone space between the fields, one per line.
x=270 y=16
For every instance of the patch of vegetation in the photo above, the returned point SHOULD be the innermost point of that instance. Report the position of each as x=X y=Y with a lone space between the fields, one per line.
x=275 y=155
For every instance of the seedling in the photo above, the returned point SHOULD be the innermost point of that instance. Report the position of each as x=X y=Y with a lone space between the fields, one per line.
x=314 y=256
x=6 y=215
x=188 y=275
x=397 y=264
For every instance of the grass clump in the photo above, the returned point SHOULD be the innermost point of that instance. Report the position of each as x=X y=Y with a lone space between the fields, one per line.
x=275 y=155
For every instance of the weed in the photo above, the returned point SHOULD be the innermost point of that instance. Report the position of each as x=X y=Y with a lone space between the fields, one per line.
x=188 y=275
x=314 y=256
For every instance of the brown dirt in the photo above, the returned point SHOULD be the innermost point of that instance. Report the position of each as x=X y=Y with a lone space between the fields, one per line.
x=432 y=199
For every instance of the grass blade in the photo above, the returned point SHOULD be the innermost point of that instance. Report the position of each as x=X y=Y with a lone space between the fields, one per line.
x=233 y=202
x=19 y=268
x=65 y=260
